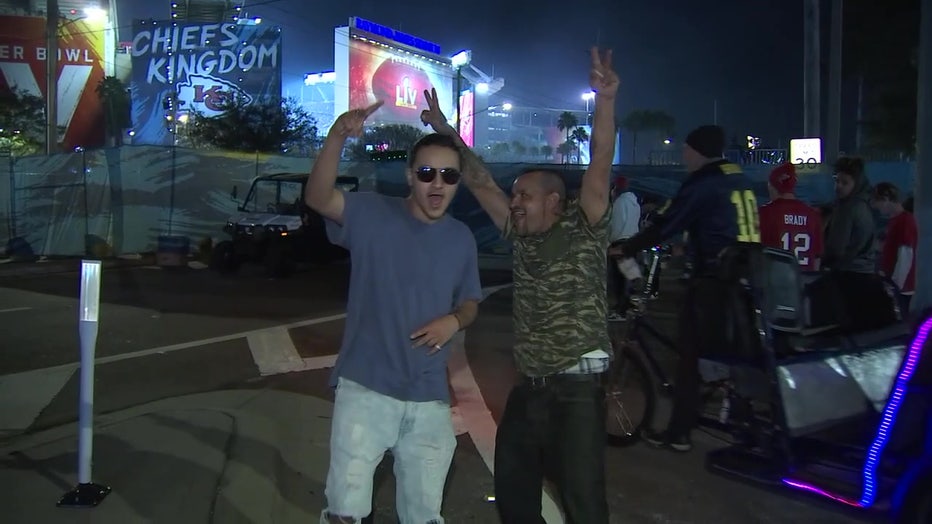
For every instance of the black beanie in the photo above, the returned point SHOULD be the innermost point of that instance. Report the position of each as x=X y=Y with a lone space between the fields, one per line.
x=708 y=141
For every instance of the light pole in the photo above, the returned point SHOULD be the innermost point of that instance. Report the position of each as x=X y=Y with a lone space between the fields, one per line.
x=51 y=76
x=588 y=97
x=923 y=210
x=812 y=53
x=459 y=61
x=832 y=144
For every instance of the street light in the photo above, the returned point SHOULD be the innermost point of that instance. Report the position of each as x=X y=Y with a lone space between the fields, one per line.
x=666 y=141
x=588 y=97
x=461 y=59
x=507 y=106
x=95 y=14
x=482 y=88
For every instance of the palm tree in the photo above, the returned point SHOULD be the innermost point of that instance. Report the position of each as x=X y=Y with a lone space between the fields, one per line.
x=565 y=149
x=567 y=122
x=646 y=120
x=112 y=93
x=501 y=150
x=546 y=151
x=519 y=149
x=579 y=136
x=635 y=122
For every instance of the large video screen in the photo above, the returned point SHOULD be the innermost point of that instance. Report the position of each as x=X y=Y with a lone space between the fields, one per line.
x=205 y=64
x=381 y=73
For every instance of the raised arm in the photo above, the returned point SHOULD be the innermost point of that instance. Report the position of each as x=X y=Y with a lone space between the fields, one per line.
x=593 y=195
x=475 y=175
x=320 y=193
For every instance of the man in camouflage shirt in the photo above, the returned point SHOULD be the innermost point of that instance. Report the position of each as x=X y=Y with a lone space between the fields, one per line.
x=554 y=420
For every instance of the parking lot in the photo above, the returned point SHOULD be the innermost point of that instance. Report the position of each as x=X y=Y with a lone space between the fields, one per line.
x=168 y=333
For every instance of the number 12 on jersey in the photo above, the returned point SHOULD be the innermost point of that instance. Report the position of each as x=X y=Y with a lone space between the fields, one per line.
x=748 y=220
x=799 y=244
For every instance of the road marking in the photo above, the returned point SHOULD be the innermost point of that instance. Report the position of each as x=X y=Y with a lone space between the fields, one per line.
x=24 y=395
x=15 y=309
x=273 y=351
x=323 y=362
x=471 y=405
x=478 y=419
x=198 y=343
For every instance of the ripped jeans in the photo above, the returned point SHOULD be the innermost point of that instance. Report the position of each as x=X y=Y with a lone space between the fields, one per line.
x=365 y=425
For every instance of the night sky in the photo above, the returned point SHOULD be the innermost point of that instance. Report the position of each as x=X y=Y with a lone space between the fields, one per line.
x=673 y=55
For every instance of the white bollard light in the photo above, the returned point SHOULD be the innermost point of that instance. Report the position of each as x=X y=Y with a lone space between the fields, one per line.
x=86 y=493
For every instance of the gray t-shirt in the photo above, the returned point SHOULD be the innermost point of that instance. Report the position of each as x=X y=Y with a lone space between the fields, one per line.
x=405 y=273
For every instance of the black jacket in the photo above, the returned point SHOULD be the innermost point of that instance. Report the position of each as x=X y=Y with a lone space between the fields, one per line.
x=850 y=233
x=716 y=206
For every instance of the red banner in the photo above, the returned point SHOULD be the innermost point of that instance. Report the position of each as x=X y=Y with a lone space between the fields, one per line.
x=23 y=53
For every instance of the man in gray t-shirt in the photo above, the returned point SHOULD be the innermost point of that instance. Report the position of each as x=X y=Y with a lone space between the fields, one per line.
x=414 y=284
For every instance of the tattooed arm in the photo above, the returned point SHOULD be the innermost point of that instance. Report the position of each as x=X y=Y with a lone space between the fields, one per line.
x=475 y=175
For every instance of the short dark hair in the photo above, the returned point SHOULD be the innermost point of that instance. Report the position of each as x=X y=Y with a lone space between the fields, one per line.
x=852 y=166
x=433 y=139
x=550 y=180
x=886 y=191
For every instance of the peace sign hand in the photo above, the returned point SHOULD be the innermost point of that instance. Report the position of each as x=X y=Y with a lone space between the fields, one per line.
x=351 y=122
x=433 y=116
x=602 y=78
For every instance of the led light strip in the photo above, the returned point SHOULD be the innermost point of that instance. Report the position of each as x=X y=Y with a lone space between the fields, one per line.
x=819 y=491
x=869 y=492
x=888 y=420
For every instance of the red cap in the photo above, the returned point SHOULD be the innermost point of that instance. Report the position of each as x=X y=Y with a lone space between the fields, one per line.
x=783 y=178
x=621 y=183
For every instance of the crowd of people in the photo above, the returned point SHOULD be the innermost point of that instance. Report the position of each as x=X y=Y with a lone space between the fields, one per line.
x=844 y=235
x=415 y=284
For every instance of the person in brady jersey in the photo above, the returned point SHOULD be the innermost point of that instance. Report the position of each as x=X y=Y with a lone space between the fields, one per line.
x=898 y=256
x=789 y=223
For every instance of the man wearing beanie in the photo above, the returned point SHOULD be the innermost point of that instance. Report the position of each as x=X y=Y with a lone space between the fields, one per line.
x=789 y=223
x=717 y=208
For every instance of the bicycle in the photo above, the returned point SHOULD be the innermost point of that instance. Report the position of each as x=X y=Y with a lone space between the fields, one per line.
x=635 y=376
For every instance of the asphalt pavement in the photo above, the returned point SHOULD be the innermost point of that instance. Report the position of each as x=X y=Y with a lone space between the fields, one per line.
x=213 y=406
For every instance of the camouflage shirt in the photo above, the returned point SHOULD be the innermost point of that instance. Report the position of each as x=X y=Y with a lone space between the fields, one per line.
x=560 y=303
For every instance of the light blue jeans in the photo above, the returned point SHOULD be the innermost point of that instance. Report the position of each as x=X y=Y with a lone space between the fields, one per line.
x=365 y=425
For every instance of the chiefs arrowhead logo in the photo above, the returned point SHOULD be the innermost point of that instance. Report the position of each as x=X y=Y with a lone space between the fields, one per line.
x=208 y=94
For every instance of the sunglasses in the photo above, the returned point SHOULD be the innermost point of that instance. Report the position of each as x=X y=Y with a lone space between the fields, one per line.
x=428 y=174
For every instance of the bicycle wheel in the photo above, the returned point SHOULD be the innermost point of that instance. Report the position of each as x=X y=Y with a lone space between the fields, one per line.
x=629 y=398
